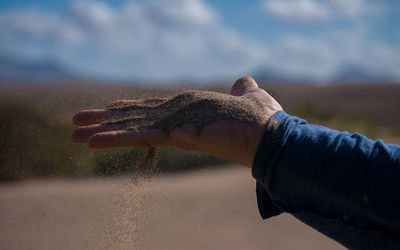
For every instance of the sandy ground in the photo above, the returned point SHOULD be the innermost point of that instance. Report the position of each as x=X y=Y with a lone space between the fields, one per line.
x=203 y=210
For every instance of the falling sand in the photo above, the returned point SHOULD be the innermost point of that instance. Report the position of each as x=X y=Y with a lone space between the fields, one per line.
x=126 y=204
x=191 y=107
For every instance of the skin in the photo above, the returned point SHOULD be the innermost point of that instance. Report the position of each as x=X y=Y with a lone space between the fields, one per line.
x=229 y=139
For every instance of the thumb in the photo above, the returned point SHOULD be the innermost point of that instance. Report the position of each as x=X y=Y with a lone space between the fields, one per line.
x=243 y=85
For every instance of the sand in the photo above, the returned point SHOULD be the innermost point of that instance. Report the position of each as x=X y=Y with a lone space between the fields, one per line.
x=196 y=107
x=199 y=210
x=190 y=107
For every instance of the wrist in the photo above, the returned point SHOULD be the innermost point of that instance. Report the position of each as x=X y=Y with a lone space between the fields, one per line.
x=258 y=131
x=253 y=134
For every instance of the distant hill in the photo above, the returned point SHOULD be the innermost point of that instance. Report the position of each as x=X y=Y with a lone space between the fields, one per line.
x=14 y=70
x=354 y=73
x=346 y=73
x=270 y=76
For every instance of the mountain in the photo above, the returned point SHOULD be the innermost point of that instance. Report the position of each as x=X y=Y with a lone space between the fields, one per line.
x=354 y=73
x=14 y=70
x=268 y=75
x=346 y=73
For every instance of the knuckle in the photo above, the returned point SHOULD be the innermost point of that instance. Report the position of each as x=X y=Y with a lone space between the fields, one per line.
x=242 y=85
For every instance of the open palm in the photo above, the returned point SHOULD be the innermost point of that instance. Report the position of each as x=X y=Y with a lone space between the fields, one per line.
x=227 y=126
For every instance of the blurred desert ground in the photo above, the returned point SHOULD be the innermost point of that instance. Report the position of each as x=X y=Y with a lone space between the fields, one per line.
x=57 y=195
x=213 y=209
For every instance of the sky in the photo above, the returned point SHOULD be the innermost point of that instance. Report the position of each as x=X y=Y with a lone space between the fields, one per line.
x=204 y=40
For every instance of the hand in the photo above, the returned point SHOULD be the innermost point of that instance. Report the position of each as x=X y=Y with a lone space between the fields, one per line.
x=227 y=126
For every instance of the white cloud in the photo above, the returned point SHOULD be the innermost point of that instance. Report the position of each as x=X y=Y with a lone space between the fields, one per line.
x=355 y=8
x=296 y=9
x=184 y=39
x=183 y=12
x=37 y=25
x=309 y=10
x=157 y=40
x=92 y=14
x=320 y=57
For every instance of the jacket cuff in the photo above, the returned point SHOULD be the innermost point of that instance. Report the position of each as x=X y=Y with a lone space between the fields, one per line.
x=269 y=144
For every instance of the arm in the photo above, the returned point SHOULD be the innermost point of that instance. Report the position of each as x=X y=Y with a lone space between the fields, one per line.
x=346 y=186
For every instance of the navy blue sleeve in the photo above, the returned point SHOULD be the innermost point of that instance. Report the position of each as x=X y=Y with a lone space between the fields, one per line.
x=345 y=186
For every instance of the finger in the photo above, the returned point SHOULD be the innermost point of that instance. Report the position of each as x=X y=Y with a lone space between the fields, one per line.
x=123 y=103
x=243 y=85
x=82 y=134
x=95 y=116
x=129 y=138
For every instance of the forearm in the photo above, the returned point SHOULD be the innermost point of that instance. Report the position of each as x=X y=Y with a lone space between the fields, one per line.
x=312 y=170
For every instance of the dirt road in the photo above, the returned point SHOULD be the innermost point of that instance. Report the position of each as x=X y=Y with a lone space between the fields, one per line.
x=203 y=210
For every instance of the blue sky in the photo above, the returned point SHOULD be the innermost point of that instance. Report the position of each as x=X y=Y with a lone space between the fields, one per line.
x=170 y=40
